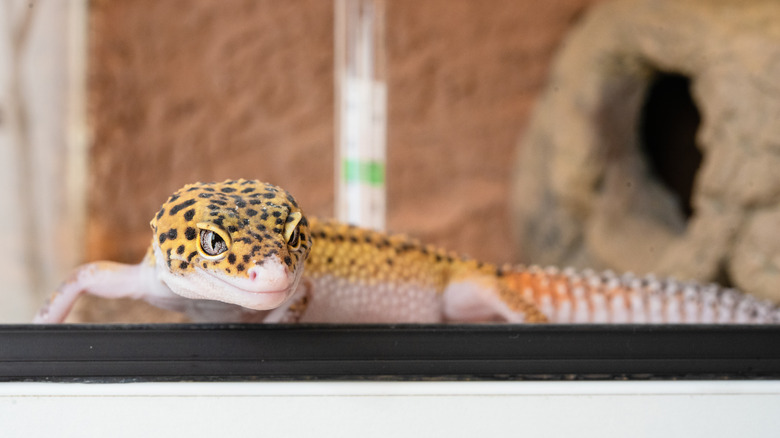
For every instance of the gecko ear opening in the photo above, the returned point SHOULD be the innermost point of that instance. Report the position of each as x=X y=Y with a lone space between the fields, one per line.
x=291 y=233
x=213 y=241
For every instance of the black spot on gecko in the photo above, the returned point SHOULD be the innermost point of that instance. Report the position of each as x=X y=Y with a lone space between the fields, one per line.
x=205 y=265
x=251 y=212
x=173 y=198
x=246 y=258
x=239 y=267
x=269 y=195
x=232 y=258
x=163 y=236
x=287 y=260
x=189 y=214
x=172 y=233
x=219 y=202
x=248 y=190
x=180 y=250
x=240 y=204
x=228 y=190
x=160 y=213
x=205 y=195
x=191 y=255
x=190 y=233
x=292 y=201
x=179 y=207
x=232 y=228
x=406 y=246
x=183 y=265
x=264 y=216
x=255 y=201
x=219 y=220
x=279 y=221
x=276 y=214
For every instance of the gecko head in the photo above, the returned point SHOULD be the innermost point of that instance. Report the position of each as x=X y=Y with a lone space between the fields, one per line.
x=241 y=242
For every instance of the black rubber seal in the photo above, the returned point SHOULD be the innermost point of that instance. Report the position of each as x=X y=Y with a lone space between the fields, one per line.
x=382 y=352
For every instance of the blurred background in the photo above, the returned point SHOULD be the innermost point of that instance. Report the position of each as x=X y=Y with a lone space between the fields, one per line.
x=566 y=131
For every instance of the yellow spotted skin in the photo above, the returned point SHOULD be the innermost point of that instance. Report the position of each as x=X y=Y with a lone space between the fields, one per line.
x=368 y=276
x=370 y=257
x=252 y=216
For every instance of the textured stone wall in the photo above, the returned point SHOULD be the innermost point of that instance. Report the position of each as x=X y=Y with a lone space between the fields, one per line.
x=587 y=195
x=191 y=90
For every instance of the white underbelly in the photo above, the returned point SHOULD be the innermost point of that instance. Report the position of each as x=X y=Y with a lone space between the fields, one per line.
x=337 y=300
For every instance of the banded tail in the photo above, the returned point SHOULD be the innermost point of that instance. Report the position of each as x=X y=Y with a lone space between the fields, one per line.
x=587 y=296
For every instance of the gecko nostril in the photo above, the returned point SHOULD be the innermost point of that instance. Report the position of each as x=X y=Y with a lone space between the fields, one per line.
x=252 y=274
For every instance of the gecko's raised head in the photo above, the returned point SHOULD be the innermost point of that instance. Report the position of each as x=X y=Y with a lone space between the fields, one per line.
x=241 y=242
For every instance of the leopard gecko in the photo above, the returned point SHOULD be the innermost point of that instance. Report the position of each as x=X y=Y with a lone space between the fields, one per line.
x=243 y=251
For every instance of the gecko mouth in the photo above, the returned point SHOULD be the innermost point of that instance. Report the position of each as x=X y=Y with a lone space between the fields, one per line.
x=249 y=296
x=252 y=286
x=264 y=287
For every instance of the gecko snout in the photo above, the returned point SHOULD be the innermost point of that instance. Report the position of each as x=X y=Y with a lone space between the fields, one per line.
x=269 y=276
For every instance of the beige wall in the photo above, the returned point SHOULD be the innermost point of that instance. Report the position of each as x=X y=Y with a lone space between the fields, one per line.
x=181 y=91
x=41 y=153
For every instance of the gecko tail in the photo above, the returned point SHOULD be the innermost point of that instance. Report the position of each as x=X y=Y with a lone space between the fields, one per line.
x=588 y=296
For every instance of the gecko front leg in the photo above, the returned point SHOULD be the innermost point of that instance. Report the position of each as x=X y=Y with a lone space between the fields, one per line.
x=103 y=279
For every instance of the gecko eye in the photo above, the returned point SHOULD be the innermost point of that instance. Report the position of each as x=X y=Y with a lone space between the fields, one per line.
x=295 y=240
x=291 y=232
x=213 y=241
